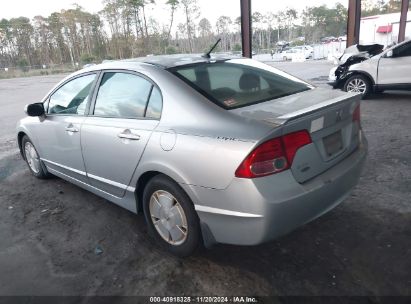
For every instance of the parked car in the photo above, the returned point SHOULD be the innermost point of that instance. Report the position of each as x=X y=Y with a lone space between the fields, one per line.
x=288 y=54
x=306 y=49
x=220 y=149
x=369 y=69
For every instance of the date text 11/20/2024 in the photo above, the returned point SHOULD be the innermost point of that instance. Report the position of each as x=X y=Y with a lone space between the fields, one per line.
x=203 y=299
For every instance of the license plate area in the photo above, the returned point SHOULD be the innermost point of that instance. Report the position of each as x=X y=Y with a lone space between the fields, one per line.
x=333 y=143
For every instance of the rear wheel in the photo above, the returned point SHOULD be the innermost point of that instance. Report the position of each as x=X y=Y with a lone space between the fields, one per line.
x=358 y=84
x=32 y=158
x=170 y=216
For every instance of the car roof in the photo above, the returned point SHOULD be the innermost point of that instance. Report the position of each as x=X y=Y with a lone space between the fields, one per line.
x=149 y=62
x=167 y=61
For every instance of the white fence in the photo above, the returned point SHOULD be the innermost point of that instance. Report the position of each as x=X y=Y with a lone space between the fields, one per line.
x=329 y=51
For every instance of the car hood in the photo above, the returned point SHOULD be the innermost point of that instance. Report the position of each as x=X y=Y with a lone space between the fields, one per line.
x=278 y=111
x=361 y=52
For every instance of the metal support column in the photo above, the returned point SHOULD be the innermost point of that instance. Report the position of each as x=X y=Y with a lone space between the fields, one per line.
x=246 y=27
x=353 y=23
x=403 y=19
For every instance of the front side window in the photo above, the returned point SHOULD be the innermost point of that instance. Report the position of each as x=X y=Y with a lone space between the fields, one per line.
x=238 y=83
x=122 y=95
x=72 y=97
x=403 y=50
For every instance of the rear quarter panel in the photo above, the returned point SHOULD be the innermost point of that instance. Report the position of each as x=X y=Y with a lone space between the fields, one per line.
x=194 y=160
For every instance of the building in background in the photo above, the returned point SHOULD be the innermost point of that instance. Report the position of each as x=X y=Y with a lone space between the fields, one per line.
x=383 y=29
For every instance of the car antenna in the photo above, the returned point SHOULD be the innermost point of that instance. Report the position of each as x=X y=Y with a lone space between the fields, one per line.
x=207 y=55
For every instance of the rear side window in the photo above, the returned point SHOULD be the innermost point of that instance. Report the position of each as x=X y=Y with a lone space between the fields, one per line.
x=155 y=104
x=238 y=83
x=122 y=95
x=71 y=98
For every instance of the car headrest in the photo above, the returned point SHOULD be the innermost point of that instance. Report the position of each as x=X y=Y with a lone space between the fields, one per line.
x=249 y=81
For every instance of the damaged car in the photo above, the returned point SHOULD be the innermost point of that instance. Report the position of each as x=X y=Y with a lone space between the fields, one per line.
x=370 y=69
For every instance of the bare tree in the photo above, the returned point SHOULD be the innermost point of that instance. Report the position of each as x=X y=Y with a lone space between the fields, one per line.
x=173 y=7
x=223 y=28
x=191 y=12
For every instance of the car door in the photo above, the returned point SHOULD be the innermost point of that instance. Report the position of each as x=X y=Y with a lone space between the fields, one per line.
x=395 y=70
x=126 y=109
x=59 y=132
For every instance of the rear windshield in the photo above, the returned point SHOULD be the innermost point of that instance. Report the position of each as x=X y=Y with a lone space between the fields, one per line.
x=238 y=83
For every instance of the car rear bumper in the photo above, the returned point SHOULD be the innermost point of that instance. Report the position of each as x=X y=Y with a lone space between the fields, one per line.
x=252 y=211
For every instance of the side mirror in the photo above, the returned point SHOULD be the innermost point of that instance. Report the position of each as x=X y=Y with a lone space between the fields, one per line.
x=389 y=54
x=34 y=109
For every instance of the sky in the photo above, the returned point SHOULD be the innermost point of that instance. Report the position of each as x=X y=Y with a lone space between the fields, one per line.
x=210 y=9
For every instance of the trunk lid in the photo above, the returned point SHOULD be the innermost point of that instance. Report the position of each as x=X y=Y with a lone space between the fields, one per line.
x=328 y=117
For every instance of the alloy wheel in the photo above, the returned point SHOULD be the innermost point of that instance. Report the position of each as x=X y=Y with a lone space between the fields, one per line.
x=357 y=85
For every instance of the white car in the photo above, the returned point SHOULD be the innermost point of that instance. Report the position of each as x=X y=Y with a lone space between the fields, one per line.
x=306 y=49
x=288 y=54
x=367 y=72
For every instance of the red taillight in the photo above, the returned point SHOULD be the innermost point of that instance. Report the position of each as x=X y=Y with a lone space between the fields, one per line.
x=273 y=156
x=356 y=115
x=266 y=159
x=294 y=141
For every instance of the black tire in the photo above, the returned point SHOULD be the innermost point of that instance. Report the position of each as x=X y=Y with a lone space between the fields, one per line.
x=42 y=172
x=362 y=81
x=192 y=240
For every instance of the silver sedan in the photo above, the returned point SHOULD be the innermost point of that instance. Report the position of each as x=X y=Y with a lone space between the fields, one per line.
x=211 y=150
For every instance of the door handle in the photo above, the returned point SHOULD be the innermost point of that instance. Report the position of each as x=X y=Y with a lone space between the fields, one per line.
x=70 y=128
x=127 y=134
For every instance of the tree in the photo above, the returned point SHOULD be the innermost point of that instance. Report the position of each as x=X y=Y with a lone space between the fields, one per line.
x=204 y=27
x=87 y=58
x=75 y=35
x=320 y=21
x=41 y=40
x=173 y=7
x=60 y=51
x=22 y=31
x=7 y=48
x=191 y=12
x=393 y=6
x=223 y=29
x=290 y=16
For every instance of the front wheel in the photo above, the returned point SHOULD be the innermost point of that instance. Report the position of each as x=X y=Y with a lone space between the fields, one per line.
x=358 y=84
x=33 y=160
x=170 y=216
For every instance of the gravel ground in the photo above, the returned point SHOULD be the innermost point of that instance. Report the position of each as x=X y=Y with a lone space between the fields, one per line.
x=57 y=239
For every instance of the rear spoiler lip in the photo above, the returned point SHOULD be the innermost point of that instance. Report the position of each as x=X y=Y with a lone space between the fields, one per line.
x=325 y=104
